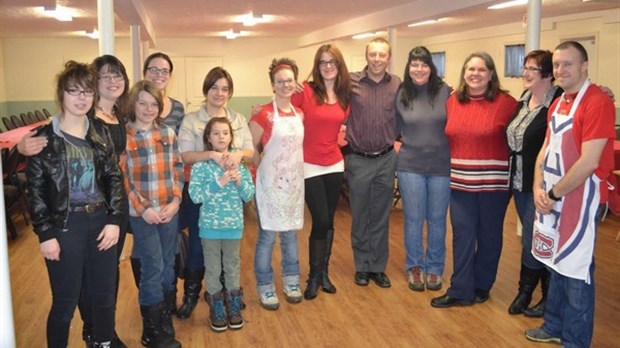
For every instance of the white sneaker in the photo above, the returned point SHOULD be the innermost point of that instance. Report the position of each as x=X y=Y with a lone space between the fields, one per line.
x=269 y=300
x=293 y=293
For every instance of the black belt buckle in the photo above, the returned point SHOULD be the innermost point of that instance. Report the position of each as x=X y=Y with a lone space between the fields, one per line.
x=374 y=154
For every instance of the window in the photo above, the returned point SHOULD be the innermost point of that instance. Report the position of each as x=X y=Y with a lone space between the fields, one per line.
x=439 y=59
x=514 y=60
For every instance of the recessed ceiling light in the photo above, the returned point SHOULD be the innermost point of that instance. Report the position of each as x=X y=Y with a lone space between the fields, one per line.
x=430 y=21
x=232 y=34
x=59 y=12
x=93 y=35
x=368 y=35
x=251 y=19
x=508 y=4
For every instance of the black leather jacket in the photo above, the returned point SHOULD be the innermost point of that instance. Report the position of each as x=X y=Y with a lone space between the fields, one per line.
x=48 y=181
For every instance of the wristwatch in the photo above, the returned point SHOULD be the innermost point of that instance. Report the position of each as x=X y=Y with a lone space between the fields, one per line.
x=552 y=196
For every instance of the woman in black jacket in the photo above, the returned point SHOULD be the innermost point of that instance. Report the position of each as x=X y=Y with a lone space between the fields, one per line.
x=526 y=134
x=77 y=202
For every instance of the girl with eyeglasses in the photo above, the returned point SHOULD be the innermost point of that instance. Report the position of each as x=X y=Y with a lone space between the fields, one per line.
x=325 y=104
x=278 y=130
x=77 y=202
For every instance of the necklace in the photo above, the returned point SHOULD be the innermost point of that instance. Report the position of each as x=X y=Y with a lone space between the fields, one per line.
x=568 y=100
x=110 y=116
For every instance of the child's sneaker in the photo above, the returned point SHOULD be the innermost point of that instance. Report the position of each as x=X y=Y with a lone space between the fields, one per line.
x=269 y=300
x=293 y=293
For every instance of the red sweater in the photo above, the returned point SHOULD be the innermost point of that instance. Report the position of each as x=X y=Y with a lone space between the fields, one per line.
x=476 y=133
x=321 y=126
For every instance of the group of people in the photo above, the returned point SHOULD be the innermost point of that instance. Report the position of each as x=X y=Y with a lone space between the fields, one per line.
x=119 y=159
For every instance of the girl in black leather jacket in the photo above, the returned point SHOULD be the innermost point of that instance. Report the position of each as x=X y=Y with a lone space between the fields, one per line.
x=77 y=202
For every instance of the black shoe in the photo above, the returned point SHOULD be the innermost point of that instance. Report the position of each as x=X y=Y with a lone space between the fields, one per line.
x=380 y=278
x=445 y=301
x=481 y=296
x=361 y=278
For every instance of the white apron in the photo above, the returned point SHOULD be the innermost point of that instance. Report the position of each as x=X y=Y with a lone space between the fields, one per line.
x=564 y=239
x=280 y=175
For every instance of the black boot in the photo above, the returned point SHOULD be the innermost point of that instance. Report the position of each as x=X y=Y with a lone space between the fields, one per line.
x=317 y=258
x=170 y=306
x=538 y=311
x=527 y=283
x=153 y=334
x=326 y=283
x=193 y=285
x=135 y=269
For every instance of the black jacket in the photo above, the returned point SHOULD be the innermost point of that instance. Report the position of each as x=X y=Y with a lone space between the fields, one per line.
x=48 y=182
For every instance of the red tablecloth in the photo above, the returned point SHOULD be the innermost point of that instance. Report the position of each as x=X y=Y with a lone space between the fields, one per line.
x=614 y=196
x=10 y=138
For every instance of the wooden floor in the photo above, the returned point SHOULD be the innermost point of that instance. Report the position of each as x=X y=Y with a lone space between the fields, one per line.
x=354 y=317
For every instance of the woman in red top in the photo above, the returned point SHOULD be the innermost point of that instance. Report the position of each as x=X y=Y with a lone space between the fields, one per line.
x=325 y=103
x=477 y=113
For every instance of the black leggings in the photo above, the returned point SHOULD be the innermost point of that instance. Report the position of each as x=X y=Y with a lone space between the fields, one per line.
x=322 y=194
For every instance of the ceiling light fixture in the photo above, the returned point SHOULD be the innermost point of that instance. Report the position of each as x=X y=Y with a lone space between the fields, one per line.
x=59 y=12
x=508 y=4
x=430 y=21
x=232 y=34
x=368 y=35
x=251 y=19
x=94 y=35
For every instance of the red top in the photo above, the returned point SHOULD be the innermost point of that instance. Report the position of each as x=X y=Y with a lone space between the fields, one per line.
x=476 y=132
x=593 y=119
x=321 y=126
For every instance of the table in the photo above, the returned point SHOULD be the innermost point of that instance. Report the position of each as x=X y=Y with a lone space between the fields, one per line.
x=10 y=138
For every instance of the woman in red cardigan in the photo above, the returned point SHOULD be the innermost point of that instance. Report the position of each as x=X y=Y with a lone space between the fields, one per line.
x=477 y=113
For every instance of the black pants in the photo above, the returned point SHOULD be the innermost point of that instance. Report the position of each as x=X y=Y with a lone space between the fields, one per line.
x=82 y=265
x=322 y=194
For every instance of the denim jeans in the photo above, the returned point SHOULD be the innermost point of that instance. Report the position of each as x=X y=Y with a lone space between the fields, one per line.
x=221 y=254
x=82 y=264
x=156 y=245
x=569 y=311
x=195 y=258
x=425 y=198
x=262 y=259
x=524 y=202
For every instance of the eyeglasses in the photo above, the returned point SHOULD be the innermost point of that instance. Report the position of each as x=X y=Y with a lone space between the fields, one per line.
x=75 y=92
x=327 y=63
x=111 y=78
x=530 y=69
x=155 y=70
x=284 y=82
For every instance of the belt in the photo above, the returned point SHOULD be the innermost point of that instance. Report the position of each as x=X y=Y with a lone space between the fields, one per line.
x=88 y=208
x=374 y=154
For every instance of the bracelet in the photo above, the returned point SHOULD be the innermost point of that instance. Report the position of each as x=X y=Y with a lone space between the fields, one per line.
x=552 y=196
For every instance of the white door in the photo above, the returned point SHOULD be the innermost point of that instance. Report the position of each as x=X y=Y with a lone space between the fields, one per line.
x=187 y=78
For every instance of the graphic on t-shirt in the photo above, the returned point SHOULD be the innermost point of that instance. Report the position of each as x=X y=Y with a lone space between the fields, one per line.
x=82 y=183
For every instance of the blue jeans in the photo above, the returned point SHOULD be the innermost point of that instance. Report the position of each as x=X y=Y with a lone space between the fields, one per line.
x=425 y=198
x=195 y=258
x=262 y=259
x=569 y=311
x=524 y=202
x=156 y=245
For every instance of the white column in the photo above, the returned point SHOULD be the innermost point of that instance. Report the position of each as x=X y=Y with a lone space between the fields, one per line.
x=532 y=39
x=105 y=19
x=392 y=39
x=7 y=327
x=136 y=53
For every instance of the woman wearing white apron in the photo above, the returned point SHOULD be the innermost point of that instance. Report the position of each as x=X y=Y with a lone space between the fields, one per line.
x=278 y=130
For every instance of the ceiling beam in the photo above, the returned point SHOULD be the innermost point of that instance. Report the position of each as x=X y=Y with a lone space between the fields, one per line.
x=407 y=13
x=133 y=12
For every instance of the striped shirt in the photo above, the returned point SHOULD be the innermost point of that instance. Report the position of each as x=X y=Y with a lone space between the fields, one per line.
x=478 y=146
x=371 y=123
x=153 y=168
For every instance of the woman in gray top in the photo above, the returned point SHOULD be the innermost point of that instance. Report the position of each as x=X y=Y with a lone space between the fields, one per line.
x=423 y=168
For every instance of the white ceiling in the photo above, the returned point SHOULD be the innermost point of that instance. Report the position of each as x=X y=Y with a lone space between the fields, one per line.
x=311 y=21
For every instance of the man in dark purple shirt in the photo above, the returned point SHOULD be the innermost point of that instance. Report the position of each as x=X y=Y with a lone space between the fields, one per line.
x=371 y=166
